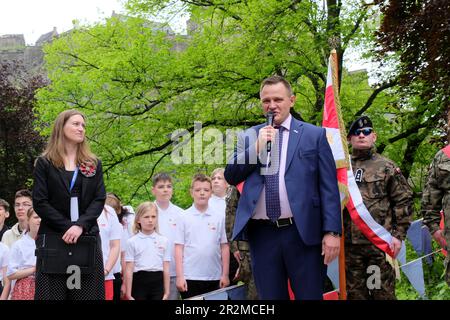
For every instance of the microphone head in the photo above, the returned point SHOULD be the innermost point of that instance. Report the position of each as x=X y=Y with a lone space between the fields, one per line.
x=269 y=116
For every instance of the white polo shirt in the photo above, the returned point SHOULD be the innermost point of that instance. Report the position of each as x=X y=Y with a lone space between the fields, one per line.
x=110 y=229
x=201 y=234
x=21 y=255
x=168 y=221
x=148 y=251
x=4 y=253
x=123 y=246
x=218 y=204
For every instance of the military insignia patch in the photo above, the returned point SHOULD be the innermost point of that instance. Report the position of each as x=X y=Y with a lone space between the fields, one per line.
x=359 y=175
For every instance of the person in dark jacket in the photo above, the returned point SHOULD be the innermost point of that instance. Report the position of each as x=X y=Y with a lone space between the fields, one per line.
x=69 y=196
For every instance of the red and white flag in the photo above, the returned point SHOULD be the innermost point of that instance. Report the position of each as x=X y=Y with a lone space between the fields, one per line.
x=350 y=194
x=371 y=229
x=333 y=123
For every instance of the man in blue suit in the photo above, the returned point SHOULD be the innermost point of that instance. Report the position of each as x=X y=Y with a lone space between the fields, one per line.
x=291 y=220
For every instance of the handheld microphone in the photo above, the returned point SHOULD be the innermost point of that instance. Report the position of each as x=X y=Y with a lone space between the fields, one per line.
x=269 y=116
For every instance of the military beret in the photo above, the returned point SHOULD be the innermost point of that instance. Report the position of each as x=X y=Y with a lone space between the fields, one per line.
x=361 y=122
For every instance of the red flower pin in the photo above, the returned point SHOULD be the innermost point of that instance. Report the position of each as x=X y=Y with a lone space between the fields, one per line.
x=87 y=169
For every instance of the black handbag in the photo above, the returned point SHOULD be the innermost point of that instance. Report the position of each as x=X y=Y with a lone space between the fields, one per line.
x=55 y=256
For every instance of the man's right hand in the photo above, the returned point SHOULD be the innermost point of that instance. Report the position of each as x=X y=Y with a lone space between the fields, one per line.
x=265 y=134
x=439 y=237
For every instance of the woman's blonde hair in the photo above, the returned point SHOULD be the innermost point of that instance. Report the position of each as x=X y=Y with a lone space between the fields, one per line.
x=55 y=151
x=142 y=209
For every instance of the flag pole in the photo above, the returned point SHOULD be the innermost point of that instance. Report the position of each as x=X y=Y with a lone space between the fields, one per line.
x=334 y=70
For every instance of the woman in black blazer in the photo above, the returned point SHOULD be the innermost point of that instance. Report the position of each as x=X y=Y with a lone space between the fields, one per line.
x=66 y=176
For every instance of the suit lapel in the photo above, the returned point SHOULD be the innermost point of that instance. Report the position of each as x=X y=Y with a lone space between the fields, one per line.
x=295 y=134
x=83 y=185
x=64 y=182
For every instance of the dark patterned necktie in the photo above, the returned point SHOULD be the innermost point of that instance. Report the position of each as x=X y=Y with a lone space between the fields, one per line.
x=273 y=208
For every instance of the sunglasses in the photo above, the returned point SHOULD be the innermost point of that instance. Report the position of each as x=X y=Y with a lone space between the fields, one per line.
x=365 y=131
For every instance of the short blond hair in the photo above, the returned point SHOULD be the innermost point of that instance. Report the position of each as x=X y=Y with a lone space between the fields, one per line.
x=216 y=171
x=201 y=178
x=142 y=209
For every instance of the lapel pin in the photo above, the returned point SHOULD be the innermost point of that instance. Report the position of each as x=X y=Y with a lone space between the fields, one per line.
x=295 y=131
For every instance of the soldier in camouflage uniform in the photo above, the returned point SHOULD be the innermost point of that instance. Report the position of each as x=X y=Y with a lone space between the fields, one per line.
x=388 y=197
x=436 y=197
x=239 y=249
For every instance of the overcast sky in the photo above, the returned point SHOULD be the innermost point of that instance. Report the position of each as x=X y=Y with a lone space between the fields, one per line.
x=36 y=17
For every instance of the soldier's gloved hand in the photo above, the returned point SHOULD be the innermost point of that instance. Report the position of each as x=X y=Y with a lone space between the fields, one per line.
x=439 y=237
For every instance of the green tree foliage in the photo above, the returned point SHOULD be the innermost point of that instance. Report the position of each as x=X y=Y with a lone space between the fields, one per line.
x=139 y=83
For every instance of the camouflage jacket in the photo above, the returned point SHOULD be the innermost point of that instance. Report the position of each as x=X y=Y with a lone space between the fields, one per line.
x=231 y=201
x=385 y=192
x=436 y=194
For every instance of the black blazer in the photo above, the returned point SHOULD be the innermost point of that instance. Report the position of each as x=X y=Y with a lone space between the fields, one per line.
x=51 y=199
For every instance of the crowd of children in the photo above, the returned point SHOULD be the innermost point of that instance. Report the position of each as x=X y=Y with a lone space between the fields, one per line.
x=161 y=252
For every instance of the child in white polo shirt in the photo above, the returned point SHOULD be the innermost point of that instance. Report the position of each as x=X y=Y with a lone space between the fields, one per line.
x=201 y=248
x=169 y=216
x=219 y=190
x=110 y=234
x=118 y=270
x=147 y=258
x=22 y=260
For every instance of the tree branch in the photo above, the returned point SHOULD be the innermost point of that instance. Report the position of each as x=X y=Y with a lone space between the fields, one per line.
x=80 y=59
x=109 y=166
x=408 y=132
x=374 y=94
x=348 y=37
x=150 y=175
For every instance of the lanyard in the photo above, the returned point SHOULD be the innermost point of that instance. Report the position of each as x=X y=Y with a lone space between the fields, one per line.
x=74 y=178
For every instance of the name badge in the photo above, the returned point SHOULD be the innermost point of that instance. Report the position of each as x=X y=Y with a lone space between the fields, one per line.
x=359 y=175
x=74 y=215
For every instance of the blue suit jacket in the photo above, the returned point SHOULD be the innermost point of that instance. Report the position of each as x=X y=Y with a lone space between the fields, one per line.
x=310 y=179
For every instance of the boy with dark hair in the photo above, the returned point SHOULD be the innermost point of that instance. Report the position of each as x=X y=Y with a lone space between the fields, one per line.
x=168 y=217
x=22 y=202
